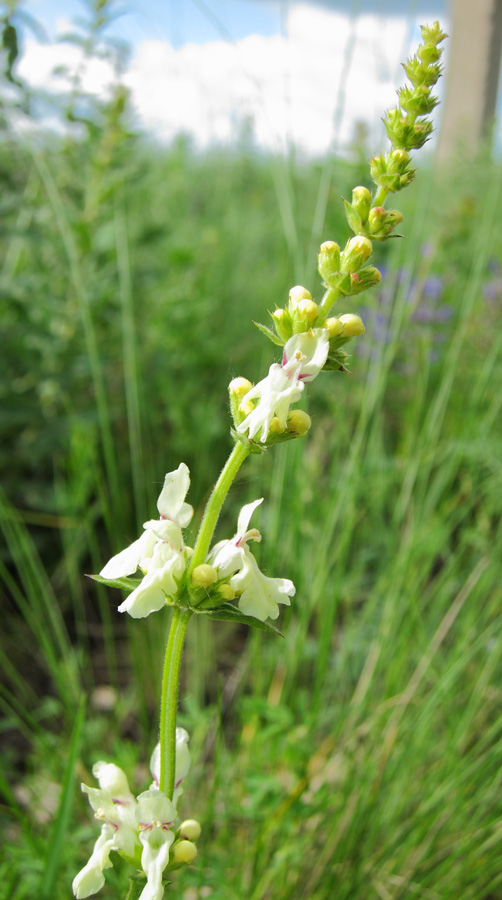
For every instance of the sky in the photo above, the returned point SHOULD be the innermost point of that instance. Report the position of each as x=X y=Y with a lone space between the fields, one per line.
x=305 y=72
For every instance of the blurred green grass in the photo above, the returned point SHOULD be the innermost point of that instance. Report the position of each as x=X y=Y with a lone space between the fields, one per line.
x=360 y=756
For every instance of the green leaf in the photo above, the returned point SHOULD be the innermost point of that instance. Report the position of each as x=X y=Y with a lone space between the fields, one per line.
x=136 y=886
x=10 y=44
x=59 y=832
x=252 y=446
x=228 y=613
x=125 y=584
x=353 y=218
x=269 y=333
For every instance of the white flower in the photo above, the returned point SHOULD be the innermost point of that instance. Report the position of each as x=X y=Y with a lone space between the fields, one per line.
x=303 y=358
x=159 y=552
x=155 y=815
x=259 y=595
x=114 y=806
x=182 y=763
x=140 y=829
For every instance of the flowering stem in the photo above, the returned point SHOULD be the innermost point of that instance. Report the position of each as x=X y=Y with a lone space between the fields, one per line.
x=380 y=196
x=169 y=699
x=331 y=295
x=215 y=502
x=181 y=616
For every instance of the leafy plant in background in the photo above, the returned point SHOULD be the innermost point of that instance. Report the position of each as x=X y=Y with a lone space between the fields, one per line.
x=223 y=581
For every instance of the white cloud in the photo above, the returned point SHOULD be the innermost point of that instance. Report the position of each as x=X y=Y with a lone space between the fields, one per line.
x=51 y=66
x=326 y=72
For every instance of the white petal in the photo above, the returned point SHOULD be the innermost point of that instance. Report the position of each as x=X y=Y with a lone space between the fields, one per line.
x=90 y=879
x=260 y=594
x=314 y=346
x=154 y=859
x=170 y=503
x=157 y=585
x=101 y=802
x=227 y=557
x=182 y=758
x=126 y=838
x=153 y=806
x=277 y=392
x=245 y=515
x=167 y=531
x=112 y=779
x=155 y=764
x=127 y=561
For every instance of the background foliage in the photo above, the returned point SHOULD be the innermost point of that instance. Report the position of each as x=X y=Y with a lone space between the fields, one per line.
x=361 y=754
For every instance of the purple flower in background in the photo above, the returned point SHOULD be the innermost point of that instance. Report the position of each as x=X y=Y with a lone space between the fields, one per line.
x=492 y=290
x=432 y=288
x=425 y=295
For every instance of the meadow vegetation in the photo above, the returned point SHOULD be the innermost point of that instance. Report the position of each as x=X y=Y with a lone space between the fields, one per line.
x=360 y=756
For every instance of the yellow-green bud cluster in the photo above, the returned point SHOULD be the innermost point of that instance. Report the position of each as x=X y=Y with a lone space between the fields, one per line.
x=206 y=590
x=344 y=272
x=184 y=851
x=237 y=390
x=302 y=310
x=374 y=223
x=297 y=425
x=341 y=330
x=381 y=221
x=392 y=171
x=404 y=129
x=300 y=314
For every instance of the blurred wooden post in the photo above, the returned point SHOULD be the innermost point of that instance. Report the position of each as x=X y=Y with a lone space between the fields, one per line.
x=472 y=76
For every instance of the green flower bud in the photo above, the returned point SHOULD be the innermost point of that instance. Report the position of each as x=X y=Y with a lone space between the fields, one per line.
x=204 y=576
x=432 y=34
x=244 y=409
x=298 y=423
x=418 y=102
x=428 y=55
x=352 y=325
x=419 y=74
x=190 y=830
x=357 y=251
x=364 y=279
x=390 y=171
x=328 y=260
x=381 y=221
x=304 y=315
x=404 y=132
x=296 y=294
x=282 y=323
x=237 y=389
x=334 y=326
x=397 y=161
x=227 y=593
x=361 y=201
x=275 y=427
x=184 y=852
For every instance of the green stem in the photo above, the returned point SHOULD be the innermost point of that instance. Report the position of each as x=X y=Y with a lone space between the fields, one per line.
x=181 y=617
x=169 y=699
x=380 y=196
x=330 y=297
x=215 y=502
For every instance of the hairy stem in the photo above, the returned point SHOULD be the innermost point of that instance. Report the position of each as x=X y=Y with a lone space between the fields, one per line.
x=380 y=196
x=215 y=502
x=169 y=699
